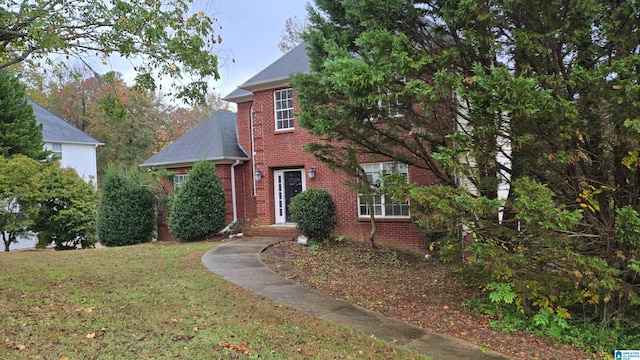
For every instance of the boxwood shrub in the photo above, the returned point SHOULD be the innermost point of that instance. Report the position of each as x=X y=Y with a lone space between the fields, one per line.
x=315 y=213
x=197 y=209
x=126 y=211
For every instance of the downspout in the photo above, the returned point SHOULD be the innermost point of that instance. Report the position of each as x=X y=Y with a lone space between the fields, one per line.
x=253 y=153
x=233 y=190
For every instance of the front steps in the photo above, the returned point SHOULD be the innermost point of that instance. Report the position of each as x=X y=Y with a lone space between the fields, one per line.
x=279 y=230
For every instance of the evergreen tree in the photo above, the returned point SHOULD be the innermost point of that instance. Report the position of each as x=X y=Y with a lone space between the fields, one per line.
x=197 y=209
x=126 y=211
x=19 y=131
x=530 y=106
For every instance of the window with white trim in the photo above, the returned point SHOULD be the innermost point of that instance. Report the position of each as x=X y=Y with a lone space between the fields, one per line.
x=56 y=151
x=283 y=105
x=178 y=180
x=392 y=106
x=383 y=207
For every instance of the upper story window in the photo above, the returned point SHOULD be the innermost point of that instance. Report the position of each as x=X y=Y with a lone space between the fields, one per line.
x=283 y=104
x=178 y=180
x=383 y=207
x=392 y=106
x=56 y=151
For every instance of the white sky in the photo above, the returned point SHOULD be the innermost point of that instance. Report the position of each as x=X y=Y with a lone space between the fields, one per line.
x=251 y=31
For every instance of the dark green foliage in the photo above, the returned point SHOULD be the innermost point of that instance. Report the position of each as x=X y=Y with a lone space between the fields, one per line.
x=197 y=209
x=539 y=99
x=126 y=211
x=19 y=132
x=315 y=213
x=67 y=217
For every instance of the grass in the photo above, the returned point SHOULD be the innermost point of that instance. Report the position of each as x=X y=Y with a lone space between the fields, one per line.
x=155 y=301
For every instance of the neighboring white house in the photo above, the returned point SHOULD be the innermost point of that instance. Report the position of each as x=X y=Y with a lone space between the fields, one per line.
x=74 y=148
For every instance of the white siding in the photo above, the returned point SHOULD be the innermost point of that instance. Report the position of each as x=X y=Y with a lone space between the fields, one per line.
x=81 y=158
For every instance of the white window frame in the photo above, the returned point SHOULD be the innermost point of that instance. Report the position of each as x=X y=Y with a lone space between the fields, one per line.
x=383 y=208
x=393 y=106
x=56 y=150
x=283 y=109
x=178 y=179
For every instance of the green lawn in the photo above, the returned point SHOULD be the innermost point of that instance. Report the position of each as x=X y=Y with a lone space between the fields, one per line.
x=154 y=301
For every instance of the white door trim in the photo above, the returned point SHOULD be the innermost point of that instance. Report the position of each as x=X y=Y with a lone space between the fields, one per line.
x=279 y=195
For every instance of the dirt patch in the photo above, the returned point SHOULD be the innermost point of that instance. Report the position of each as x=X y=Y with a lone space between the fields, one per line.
x=408 y=287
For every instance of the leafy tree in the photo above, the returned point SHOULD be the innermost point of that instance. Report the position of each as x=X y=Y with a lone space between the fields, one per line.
x=315 y=213
x=132 y=123
x=537 y=100
x=20 y=193
x=19 y=131
x=158 y=37
x=126 y=210
x=197 y=209
x=67 y=215
x=291 y=36
x=184 y=119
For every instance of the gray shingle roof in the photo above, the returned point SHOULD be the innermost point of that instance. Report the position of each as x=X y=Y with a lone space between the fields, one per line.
x=215 y=139
x=57 y=130
x=293 y=62
x=239 y=95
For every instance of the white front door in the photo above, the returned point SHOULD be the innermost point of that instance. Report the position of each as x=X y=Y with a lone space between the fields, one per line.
x=287 y=184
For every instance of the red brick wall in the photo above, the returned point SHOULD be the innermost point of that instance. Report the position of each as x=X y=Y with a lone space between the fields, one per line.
x=276 y=150
x=224 y=173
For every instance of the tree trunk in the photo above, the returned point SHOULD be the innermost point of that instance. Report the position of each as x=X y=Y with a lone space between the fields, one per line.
x=373 y=226
x=6 y=242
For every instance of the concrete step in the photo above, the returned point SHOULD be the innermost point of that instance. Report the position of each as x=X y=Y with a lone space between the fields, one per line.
x=285 y=231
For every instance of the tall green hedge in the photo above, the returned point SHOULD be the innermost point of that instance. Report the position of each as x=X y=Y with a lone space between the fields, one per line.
x=197 y=209
x=126 y=211
x=315 y=213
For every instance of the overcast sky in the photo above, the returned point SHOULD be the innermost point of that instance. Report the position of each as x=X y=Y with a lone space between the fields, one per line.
x=251 y=31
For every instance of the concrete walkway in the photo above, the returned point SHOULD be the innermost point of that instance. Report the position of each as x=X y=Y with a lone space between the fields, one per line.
x=239 y=262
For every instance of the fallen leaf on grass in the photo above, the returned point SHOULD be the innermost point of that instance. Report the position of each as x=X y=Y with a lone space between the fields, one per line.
x=92 y=335
x=241 y=347
x=181 y=337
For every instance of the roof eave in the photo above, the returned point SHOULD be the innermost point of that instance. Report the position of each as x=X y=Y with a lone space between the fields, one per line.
x=72 y=142
x=238 y=99
x=266 y=85
x=186 y=163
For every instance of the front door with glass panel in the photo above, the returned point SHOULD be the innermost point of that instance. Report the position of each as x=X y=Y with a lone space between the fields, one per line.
x=287 y=184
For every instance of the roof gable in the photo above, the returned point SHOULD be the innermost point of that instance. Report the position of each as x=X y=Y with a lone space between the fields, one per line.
x=276 y=74
x=214 y=139
x=57 y=130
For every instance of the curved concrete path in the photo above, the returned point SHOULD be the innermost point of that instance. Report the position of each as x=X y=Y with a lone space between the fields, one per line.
x=239 y=262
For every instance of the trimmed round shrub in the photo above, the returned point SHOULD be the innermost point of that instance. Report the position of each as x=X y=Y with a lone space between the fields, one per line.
x=126 y=211
x=315 y=213
x=197 y=209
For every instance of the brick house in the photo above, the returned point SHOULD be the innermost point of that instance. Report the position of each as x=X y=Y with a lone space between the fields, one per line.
x=215 y=140
x=278 y=168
